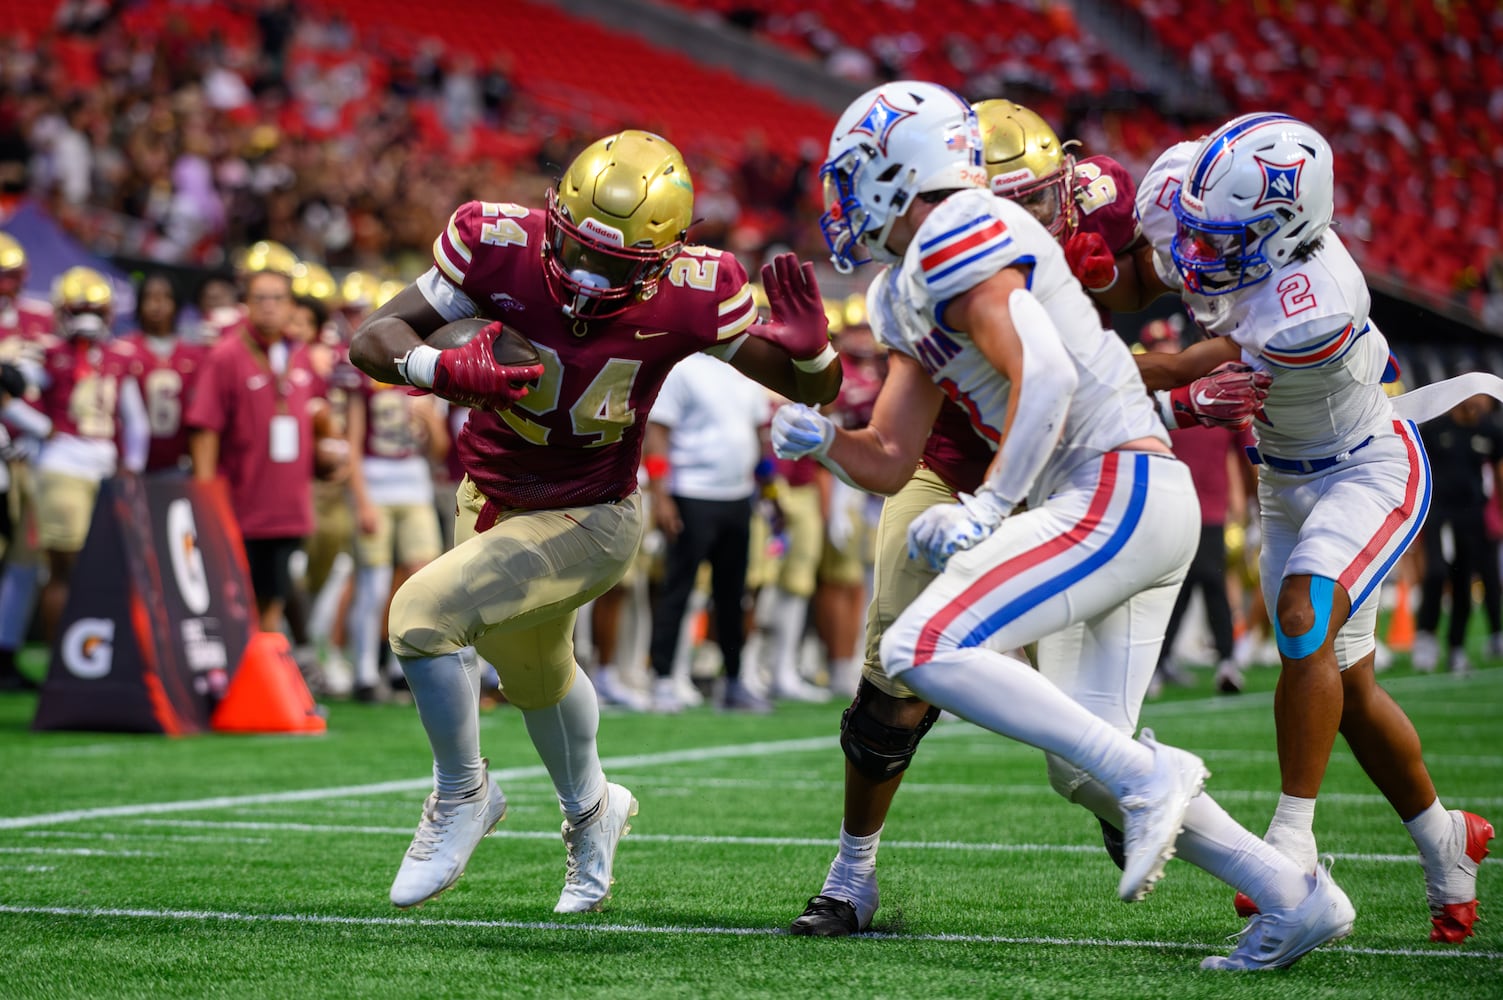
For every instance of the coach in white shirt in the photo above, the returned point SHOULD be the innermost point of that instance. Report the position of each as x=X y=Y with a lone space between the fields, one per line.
x=703 y=445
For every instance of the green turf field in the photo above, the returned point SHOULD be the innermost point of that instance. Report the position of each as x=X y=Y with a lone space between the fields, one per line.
x=135 y=866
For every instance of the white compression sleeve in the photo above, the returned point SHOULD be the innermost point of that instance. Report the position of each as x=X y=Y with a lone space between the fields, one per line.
x=1042 y=401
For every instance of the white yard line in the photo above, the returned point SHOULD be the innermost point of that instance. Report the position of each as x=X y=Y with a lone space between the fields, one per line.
x=707 y=840
x=711 y=931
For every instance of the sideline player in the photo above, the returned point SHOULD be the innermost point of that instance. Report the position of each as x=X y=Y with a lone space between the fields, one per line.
x=605 y=287
x=1087 y=206
x=165 y=368
x=1241 y=221
x=981 y=306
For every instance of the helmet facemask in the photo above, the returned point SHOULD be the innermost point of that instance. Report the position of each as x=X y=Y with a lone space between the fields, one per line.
x=1049 y=199
x=1215 y=258
x=590 y=273
x=856 y=230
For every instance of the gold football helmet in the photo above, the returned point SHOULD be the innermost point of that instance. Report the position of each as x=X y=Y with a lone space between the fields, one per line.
x=84 y=302
x=313 y=281
x=266 y=255
x=1027 y=163
x=616 y=220
x=12 y=266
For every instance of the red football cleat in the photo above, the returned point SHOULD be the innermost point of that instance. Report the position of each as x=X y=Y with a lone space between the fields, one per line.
x=1452 y=922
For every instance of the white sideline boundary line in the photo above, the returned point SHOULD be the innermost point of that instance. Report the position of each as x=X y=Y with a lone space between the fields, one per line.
x=709 y=931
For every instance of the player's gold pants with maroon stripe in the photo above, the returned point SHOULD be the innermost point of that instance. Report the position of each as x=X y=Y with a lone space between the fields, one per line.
x=512 y=591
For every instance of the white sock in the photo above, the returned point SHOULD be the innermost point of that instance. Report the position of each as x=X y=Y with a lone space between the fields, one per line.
x=446 y=695
x=857 y=853
x=1215 y=842
x=372 y=584
x=787 y=631
x=1435 y=834
x=564 y=735
x=1005 y=695
x=326 y=604
x=1292 y=830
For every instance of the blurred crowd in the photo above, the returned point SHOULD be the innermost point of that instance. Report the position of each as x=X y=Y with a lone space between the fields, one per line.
x=168 y=132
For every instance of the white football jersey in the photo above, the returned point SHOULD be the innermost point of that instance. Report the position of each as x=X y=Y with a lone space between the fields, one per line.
x=968 y=238
x=1306 y=325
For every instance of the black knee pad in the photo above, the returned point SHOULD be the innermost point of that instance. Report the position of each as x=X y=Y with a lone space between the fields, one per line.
x=877 y=750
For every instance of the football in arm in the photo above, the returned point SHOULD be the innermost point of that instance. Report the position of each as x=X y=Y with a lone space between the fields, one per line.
x=511 y=348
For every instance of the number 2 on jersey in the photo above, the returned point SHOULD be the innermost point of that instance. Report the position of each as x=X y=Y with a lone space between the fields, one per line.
x=603 y=411
x=1295 y=295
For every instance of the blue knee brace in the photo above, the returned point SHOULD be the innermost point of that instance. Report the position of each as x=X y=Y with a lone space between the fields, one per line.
x=1297 y=647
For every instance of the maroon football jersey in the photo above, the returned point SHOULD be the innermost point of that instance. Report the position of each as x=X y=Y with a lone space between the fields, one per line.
x=238 y=396
x=26 y=331
x=29 y=319
x=576 y=438
x=166 y=379
x=82 y=391
x=1105 y=194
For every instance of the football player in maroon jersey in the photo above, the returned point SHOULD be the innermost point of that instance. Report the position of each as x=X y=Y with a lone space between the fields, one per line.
x=25 y=331
x=603 y=284
x=81 y=396
x=164 y=368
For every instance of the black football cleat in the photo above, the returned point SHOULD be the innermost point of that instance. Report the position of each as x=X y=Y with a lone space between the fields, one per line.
x=826 y=916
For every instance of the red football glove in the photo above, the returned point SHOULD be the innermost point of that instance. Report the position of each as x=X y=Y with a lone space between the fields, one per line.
x=1091 y=261
x=471 y=376
x=798 y=324
x=1228 y=397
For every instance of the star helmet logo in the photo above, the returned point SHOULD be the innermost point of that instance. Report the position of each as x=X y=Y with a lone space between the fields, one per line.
x=1280 y=182
x=880 y=119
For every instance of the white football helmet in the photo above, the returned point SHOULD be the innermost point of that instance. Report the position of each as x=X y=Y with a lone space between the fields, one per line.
x=894 y=142
x=1260 y=187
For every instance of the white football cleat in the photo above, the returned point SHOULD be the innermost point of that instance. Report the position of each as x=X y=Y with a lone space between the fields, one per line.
x=1277 y=939
x=592 y=851
x=448 y=834
x=1154 y=815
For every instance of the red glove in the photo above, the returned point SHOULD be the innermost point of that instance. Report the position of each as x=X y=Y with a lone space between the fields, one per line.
x=1091 y=261
x=1228 y=397
x=798 y=325
x=471 y=376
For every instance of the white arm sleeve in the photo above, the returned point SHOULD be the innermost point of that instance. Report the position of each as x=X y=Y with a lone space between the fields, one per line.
x=23 y=417
x=445 y=297
x=1041 y=401
x=135 y=427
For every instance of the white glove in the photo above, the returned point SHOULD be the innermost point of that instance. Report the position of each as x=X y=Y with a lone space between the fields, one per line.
x=800 y=431
x=945 y=529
